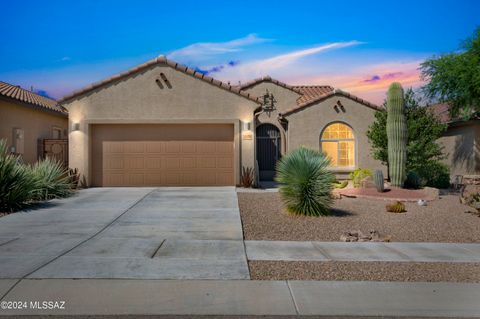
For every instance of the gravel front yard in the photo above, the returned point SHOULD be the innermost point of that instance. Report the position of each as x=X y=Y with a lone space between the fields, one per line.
x=367 y=271
x=443 y=220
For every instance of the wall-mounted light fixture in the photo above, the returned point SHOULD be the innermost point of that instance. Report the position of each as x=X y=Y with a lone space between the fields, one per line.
x=75 y=127
x=246 y=126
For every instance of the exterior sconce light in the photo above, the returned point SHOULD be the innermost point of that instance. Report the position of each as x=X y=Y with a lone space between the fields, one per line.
x=246 y=126
x=75 y=127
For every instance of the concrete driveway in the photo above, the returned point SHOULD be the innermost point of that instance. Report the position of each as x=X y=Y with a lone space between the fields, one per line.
x=141 y=233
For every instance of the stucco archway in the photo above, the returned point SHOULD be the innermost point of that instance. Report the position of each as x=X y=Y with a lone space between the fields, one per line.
x=269 y=150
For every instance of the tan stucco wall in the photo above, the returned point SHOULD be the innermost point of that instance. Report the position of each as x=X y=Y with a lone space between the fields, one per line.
x=285 y=99
x=36 y=124
x=306 y=126
x=139 y=99
x=462 y=147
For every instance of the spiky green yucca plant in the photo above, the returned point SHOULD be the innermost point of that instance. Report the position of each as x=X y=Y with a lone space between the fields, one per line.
x=52 y=180
x=397 y=134
x=305 y=182
x=16 y=183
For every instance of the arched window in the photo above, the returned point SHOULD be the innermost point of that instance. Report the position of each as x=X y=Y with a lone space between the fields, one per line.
x=338 y=142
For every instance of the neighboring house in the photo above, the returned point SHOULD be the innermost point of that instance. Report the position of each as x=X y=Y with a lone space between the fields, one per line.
x=27 y=118
x=162 y=123
x=461 y=141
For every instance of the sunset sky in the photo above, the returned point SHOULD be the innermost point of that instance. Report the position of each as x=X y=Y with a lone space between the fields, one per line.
x=61 y=46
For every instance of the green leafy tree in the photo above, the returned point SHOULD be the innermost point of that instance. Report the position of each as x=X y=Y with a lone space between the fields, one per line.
x=455 y=78
x=423 y=152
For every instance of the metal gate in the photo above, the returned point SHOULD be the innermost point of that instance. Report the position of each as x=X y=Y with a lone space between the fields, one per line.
x=56 y=149
x=268 y=150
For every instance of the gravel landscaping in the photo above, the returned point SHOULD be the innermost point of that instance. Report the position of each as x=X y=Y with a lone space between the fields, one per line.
x=365 y=271
x=443 y=220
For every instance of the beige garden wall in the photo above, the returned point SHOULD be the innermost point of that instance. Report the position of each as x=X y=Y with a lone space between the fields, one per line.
x=138 y=98
x=36 y=124
x=462 y=148
x=306 y=126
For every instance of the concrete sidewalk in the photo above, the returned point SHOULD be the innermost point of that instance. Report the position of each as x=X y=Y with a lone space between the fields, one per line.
x=243 y=297
x=361 y=251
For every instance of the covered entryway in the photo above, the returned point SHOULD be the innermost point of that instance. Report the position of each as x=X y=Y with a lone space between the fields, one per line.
x=162 y=155
x=268 y=150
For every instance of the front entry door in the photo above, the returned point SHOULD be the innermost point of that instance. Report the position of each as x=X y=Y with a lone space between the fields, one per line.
x=268 y=150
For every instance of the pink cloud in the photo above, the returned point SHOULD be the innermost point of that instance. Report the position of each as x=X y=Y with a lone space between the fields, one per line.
x=361 y=82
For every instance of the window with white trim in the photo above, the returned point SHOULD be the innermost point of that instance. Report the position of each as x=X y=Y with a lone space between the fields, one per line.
x=338 y=143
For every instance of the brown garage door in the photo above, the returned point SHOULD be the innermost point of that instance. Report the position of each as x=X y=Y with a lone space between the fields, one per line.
x=162 y=155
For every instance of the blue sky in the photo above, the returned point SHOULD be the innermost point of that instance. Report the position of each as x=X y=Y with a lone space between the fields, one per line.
x=60 y=46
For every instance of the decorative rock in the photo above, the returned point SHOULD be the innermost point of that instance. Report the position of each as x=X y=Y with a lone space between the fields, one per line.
x=422 y=202
x=358 y=236
x=469 y=190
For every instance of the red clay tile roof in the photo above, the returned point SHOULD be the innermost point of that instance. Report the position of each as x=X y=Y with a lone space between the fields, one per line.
x=440 y=110
x=308 y=93
x=328 y=94
x=15 y=92
x=311 y=92
x=268 y=79
x=164 y=61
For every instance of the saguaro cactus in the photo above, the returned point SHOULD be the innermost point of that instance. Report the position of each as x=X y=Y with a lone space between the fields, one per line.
x=397 y=134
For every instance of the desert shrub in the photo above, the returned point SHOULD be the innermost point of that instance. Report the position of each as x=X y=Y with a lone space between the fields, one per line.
x=435 y=174
x=341 y=184
x=74 y=177
x=413 y=180
x=397 y=207
x=247 y=178
x=359 y=174
x=305 y=182
x=52 y=180
x=22 y=185
x=16 y=183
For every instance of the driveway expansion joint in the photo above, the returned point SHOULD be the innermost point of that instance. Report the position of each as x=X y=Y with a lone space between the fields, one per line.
x=158 y=248
x=293 y=297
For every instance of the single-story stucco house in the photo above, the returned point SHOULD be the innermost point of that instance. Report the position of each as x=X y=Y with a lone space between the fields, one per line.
x=162 y=123
x=26 y=119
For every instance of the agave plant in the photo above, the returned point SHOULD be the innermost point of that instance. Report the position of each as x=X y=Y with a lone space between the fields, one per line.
x=247 y=177
x=16 y=183
x=52 y=180
x=305 y=182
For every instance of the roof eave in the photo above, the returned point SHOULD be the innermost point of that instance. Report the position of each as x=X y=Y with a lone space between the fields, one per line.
x=336 y=92
x=268 y=78
x=162 y=60
x=35 y=106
